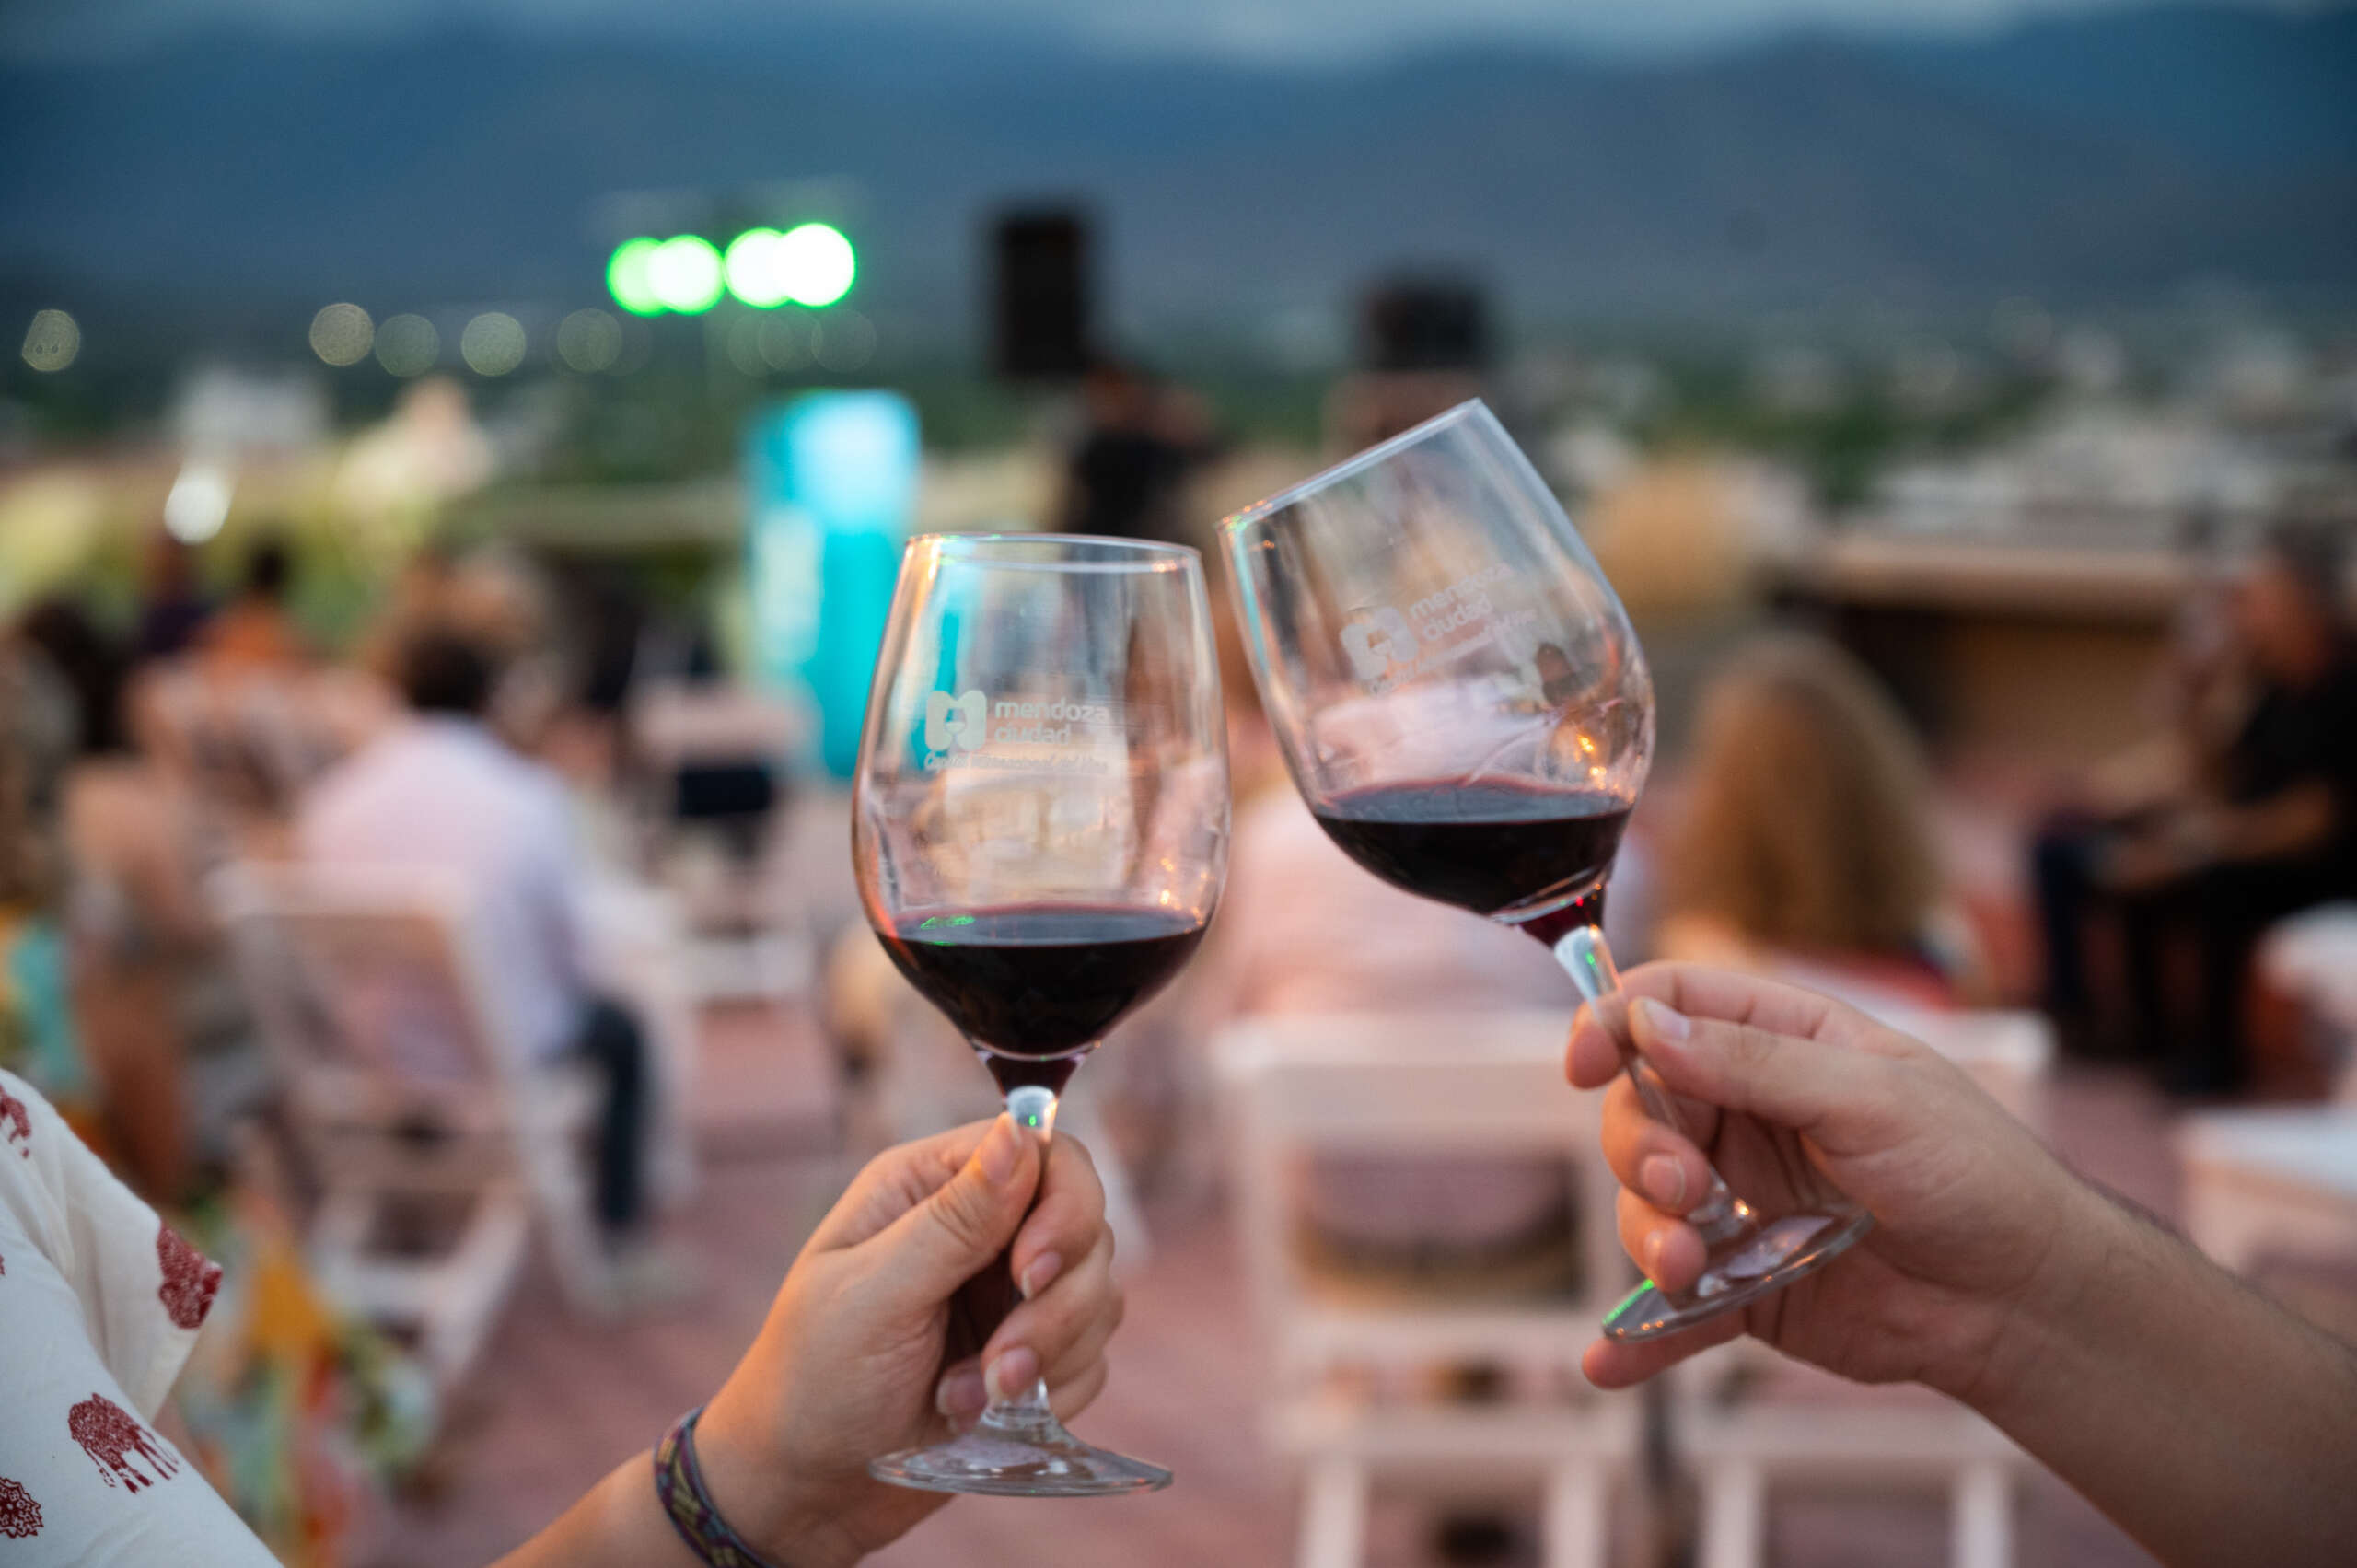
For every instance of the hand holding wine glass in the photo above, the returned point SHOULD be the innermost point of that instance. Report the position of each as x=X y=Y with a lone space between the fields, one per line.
x=1770 y=1081
x=849 y=1361
x=1463 y=703
x=1039 y=831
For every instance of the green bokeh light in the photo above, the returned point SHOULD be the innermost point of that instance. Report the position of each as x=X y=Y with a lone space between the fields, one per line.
x=628 y=280
x=751 y=263
x=814 y=264
x=685 y=273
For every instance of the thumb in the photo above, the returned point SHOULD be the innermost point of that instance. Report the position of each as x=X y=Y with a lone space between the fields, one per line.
x=1807 y=1086
x=968 y=1221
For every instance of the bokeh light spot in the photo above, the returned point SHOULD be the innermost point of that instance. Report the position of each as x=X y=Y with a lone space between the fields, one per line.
x=342 y=334
x=52 y=341
x=628 y=276
x=752 y=264
x=785 y=341
x=685 y=274
x=745 y=347
x=199 y=502
x=589 y=340
x=846 y=341
x=493 y=343
x=816 y=263
x=408 y=346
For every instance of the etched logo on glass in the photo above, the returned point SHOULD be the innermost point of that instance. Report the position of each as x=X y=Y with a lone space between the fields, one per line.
x=960 y=723
x=1377 y=642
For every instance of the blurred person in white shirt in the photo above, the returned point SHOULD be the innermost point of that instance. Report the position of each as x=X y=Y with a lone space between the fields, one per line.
x=441 y=791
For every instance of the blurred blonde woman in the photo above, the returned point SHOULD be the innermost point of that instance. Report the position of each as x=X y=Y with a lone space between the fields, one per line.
x=1803 y=845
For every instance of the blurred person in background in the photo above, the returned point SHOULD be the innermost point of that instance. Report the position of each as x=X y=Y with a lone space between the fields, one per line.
x=1143 y=440
x=891 y=1329
x=2264 y=827
x=1803 y=843
x=38 y=731
x=2209 y=1423
x=442 y=790
x=171 y=611
x=156 y=1028
x=255 y=631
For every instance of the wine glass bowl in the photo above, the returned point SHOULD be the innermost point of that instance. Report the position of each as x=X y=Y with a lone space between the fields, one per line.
x=1465 y=708
x=1436 y=648
x=1040 y=833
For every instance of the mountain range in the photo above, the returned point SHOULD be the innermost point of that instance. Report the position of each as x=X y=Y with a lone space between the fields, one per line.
x=2110 y=156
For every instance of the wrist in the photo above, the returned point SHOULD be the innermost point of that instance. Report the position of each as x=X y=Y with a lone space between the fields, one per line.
x=782 y=1513
x=2041 y=1343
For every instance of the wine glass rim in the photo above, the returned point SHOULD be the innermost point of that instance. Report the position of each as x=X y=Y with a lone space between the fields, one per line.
x=1379 y=452
x=1153 y=555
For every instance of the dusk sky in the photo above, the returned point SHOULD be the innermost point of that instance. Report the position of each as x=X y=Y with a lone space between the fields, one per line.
x=1289 y=29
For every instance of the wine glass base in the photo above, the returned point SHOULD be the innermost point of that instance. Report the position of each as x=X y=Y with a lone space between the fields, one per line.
x=1041 y=1460
x=1779 y=1252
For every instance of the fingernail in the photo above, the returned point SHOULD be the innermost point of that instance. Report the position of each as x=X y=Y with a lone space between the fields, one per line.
x=1012 y=1374
x=1662 y=1023
x=1041 y=1274
x=1000 y=1151
x=1653 y=1254
x=961 y=1394
x=1664 y=1180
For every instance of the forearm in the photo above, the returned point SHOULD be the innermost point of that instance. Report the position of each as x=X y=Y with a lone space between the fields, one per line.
x=616 y=1522
x=2208 y=1422
x=620 y=1520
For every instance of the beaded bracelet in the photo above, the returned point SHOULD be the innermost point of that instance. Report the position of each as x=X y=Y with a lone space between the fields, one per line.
x=678 y=1486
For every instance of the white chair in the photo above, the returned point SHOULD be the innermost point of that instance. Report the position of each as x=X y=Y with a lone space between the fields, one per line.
x=2284 y=1179
x=742 y=946
x=400 y=1083
x=1460 y=1084
x=1862 y=1439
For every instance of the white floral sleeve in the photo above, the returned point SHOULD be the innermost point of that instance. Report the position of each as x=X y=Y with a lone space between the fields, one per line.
x=99 y=1305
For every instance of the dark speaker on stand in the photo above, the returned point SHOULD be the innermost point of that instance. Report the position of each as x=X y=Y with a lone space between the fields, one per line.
x=1424 y=323
x=1039 y=293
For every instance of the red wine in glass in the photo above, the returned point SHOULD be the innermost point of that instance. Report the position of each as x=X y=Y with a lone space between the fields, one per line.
x=1035 y=985
x=1491 y=847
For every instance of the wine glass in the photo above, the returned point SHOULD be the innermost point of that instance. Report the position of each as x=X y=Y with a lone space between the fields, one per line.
x=1463 y=704
x=1039 y=831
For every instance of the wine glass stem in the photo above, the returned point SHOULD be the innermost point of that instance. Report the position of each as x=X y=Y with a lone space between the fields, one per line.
x=1721 y=1215
x=1035 y=1107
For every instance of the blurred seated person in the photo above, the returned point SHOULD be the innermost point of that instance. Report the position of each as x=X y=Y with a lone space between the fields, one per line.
x=254 y=630
x=155 y=1019
x=2265 y=829
x=1144 y=438
x=1803 y=843
x=37 y=737
x=442 y=790
x=171 y=611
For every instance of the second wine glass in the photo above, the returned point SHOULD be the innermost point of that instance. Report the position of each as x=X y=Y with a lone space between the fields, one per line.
x=1040 y=831
x=1464 y=706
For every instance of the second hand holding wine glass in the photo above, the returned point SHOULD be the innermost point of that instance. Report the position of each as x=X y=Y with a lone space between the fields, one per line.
x=1040 y=831
x=1464 y=706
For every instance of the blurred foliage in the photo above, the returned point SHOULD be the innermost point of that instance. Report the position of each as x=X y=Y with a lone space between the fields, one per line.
x=1712 y=403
